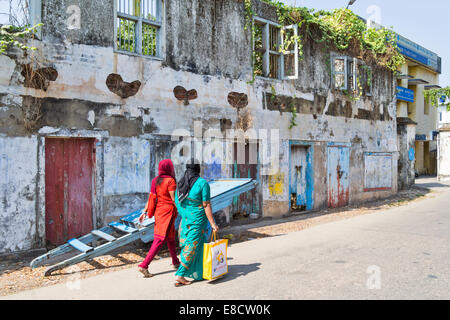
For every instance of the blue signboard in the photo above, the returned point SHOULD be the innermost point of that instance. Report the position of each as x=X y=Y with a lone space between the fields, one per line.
x=405 y=94
x=421 y=137
x=418 y=53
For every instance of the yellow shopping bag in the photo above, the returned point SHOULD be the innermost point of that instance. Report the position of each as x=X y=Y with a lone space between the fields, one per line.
x=215 y=258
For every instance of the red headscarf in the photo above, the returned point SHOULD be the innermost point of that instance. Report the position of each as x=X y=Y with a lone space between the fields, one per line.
x=165 y=170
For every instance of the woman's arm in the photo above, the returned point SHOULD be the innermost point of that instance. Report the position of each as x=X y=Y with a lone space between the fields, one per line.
x=209 y=215
x=143 y=214
x=172 y=196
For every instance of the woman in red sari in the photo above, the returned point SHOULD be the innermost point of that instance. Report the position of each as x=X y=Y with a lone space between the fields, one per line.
x=164 y=186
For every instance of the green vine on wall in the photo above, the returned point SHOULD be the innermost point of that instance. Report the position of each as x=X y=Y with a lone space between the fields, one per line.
x=340 y=29
x=12 y=36
x=293 y=122
x=434 y=96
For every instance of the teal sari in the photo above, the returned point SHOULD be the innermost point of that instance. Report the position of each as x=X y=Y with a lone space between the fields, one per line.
x=192 y=230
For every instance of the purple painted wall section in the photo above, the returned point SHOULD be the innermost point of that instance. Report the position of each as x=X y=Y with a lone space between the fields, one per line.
x=213 y=170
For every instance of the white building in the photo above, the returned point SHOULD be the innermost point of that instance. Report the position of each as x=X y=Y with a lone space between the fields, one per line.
x=443 y=167
x=443 y=116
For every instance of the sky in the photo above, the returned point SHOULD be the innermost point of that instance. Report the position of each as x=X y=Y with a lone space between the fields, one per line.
x=424 y=22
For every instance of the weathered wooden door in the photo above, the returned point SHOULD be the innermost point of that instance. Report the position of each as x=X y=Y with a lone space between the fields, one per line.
x=297 y=177
x=246 y=166
x=69 y=188
x=338 y=176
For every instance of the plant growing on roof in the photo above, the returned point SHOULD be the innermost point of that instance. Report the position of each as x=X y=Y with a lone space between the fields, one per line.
x=434 y=96
x=339 y=29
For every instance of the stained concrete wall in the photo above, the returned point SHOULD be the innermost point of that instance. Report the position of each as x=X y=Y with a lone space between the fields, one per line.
x=406 y=130
x=207 y=49
x=206 y=37
x=20 y=227
x=78 y=22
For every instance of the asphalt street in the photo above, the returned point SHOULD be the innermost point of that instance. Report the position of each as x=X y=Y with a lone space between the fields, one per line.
x=399 y=253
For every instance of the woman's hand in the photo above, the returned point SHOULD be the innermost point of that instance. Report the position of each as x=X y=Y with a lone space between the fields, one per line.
x=209 y=215
x=142 y=217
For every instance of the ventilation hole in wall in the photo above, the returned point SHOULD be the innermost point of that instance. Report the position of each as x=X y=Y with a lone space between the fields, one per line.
x=238 y=100
x=123 y=89
x=39 y=78
x=184 y=95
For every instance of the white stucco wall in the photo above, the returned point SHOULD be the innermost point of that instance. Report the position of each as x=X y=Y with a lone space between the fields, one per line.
x=18 y=173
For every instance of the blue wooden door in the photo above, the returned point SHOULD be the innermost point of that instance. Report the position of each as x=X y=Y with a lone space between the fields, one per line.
x=338 y=176
x=297 y=177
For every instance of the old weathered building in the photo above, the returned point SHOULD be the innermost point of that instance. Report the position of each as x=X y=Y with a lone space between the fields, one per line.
x=86 y=117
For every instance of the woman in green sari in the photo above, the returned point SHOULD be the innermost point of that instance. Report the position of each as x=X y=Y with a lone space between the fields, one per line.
x=194 y=207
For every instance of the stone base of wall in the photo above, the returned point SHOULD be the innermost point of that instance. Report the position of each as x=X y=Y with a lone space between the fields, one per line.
x=275 y=209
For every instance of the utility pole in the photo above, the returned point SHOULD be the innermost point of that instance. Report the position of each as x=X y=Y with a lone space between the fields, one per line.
x=350 y=3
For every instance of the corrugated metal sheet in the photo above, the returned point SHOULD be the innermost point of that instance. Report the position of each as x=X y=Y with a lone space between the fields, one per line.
x=222 y=193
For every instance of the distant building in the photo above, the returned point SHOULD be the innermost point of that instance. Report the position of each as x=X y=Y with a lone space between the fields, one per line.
x=443 y=157
x=419 y=73
x=416 y=118
x=443 y=116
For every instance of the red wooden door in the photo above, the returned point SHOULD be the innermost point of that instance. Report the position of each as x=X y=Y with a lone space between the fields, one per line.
x=68 y=188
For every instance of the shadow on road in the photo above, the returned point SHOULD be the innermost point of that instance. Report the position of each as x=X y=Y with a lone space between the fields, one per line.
x=430 y=182
x=432 y=185
x=236 y=271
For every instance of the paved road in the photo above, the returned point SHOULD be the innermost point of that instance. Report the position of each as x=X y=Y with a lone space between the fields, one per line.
x=400 y=253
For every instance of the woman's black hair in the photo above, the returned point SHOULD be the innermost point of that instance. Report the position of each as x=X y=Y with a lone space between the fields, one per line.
x=194 y=167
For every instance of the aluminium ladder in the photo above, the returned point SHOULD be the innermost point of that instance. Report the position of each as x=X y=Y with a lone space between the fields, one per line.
x=129 y=229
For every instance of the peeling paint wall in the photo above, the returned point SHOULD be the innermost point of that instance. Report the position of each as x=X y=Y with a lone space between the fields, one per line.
x=70 y=21
x=18 y=197
x=406 y=133
x=127 y=166
x=206 y=50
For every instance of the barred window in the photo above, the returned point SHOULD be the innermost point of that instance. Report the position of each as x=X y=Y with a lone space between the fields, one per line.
x=351 y=74
x=275 y=50
x=138 y=26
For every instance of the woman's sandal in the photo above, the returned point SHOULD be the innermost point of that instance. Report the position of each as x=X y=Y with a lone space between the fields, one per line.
x=178 y=283
x=145 y=272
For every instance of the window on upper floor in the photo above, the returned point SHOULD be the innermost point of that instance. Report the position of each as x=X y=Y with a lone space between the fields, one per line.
x=21 y=14
x=15 y=12
x=275 y=50
x=138 y=27
x=351 y=75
